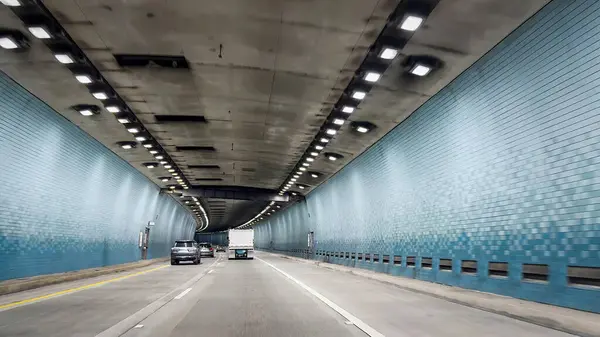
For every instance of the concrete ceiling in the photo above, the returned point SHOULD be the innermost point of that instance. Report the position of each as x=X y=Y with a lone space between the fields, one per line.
x=263 y=73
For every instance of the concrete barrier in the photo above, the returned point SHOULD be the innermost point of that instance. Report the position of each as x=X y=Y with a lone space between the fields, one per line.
x=572 y=321
x=21 y=284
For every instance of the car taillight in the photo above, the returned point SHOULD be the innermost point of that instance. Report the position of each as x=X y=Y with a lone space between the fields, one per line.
x=210 y=248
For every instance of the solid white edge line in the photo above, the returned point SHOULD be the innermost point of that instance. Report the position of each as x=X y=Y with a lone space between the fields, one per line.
x=183 y=293
x=355 y=320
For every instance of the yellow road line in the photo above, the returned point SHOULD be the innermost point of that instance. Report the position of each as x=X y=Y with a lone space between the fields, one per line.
x=67 y=291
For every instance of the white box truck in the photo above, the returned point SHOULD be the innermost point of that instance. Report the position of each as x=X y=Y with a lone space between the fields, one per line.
x=241 y=244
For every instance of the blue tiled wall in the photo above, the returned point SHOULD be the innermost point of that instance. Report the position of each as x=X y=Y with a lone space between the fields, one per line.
x=67 y=202
x=501 y=165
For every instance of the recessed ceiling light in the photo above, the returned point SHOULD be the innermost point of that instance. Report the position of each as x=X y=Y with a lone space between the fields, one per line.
x=319 y=147
x=7 y=42
x=113 y=108
x=187 y=201
x=168 y=166
x=348 y=109
x=324 y=140
x=314 y=154
x=338 y=121
x=314 y=175
x=301 y=187
x=411 y=23
x=293 y=179
x=306 y=164
x=278 y=206
x=299 y=173
x=185 y=187
x=86 y=112
x=171 y=170
x=372 y=76
x=310 y=159
x=150 y=166
x=359 y=95
x=388 y=53
x=127 y=145
x=64 y=58
x=100 y=95
x=83 y=79
x=294 y=193
x=332 y=158
x=302 y=169
x=153 y=152
x=125 y=121
x=39 y=32
x=362 y=129
x=175 y=175
x=133 y=130
x=296 y=176
x=165 y=179
x=420 y=70
x=331 y=132
x=162 y=162
x=141 y=139
x=172 y=187
x=148 y=146
x=11 y=3
x=159 y=157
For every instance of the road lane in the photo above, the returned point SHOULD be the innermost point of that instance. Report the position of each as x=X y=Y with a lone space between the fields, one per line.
x=90 y=311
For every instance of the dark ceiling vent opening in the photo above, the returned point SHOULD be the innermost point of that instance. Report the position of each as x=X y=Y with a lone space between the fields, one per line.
x=160 y=61
x=180 y=119
x=205 y=167
x=196 y=148
x=209 y=179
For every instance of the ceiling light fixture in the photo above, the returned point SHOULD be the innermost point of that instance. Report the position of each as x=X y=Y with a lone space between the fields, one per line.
x=8 y=42
x=83 y=79
x=310 y=159
x=40 y=32
x=125 y=121
x=331 y=132
x=302 y=169
x=314 y=154
x=332 y=158
x=140 y=138
x=100 y=95
x=348 y=109
x=86 y=112
x=127 y=145
x=324 y=140
x=411 y=23
x=159 y=157
x=153 y=151
x=338 y=121
x=296 y=176
x=301 y=187
x=306 y=164
x=150 y=165
x=171 y=170
x=388 y=53
x=148 y=145
x=165 y=179
x=372 y=76
x=162 y=162
x=362 y=129
x=299 y=173
x=133 y=130
x=64 y=58
x=11 y=3
x=359 y=95
x=168 y=166
x=314 y=175
x=319 y=147
x=420 y=69
x=113 y=108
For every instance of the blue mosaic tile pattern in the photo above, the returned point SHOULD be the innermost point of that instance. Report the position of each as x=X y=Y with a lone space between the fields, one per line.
x=67 y=202
x=501 y=165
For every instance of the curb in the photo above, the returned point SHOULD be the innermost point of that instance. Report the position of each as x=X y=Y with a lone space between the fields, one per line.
x=580 y=323
x=22 y=284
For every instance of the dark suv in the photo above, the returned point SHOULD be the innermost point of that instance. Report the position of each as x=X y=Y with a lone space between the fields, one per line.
x=185 y=250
